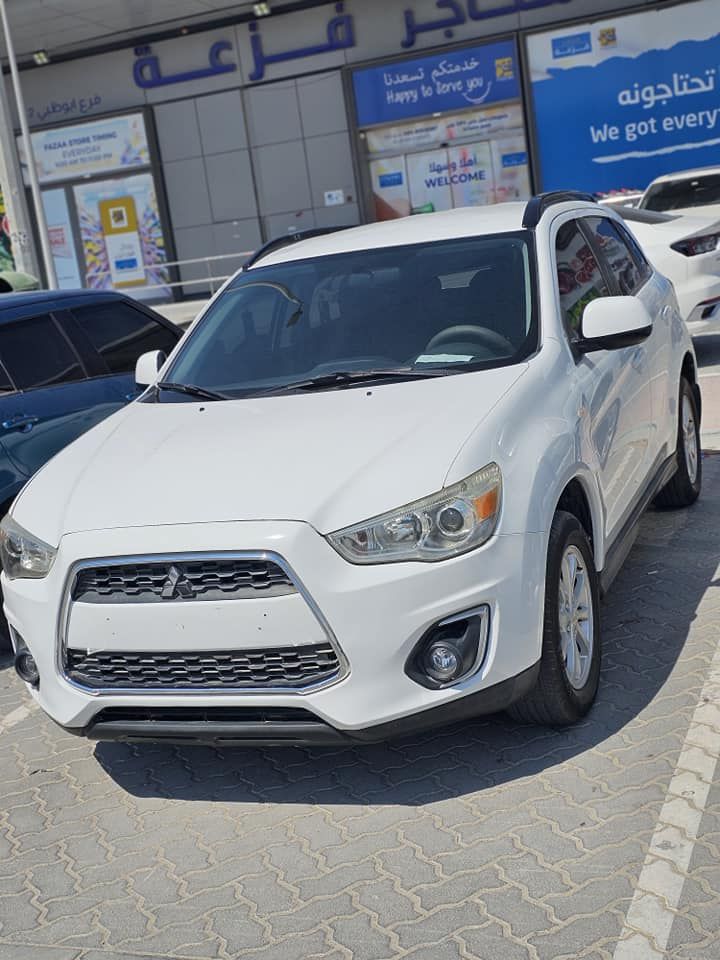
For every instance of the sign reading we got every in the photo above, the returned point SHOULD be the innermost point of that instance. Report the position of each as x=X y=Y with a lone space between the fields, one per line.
x=471 y=77
x=638 y=114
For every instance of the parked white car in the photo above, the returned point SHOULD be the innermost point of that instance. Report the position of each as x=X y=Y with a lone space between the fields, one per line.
x=687 y=250
x=695 y=192
x=379 y=486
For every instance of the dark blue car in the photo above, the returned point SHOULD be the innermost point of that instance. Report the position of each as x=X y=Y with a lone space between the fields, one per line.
x=67 y=361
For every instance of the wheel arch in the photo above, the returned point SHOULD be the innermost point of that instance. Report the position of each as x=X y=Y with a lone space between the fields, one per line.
x=579 y=498
x=689 y=372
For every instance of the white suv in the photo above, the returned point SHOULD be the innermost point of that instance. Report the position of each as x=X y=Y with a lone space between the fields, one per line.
x=379 y=486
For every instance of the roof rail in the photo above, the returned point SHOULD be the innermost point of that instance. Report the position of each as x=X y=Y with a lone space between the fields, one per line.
x=285 y=241
x=542 y=201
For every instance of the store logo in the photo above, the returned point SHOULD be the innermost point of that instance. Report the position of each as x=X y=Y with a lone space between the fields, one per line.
x=514 y=159
x=391 y=179
x=571 y=46
x=504 y=68
x=607 y=37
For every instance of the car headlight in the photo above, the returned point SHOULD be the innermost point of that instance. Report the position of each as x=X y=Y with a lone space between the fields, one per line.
x=452 y=521
x=22 y=554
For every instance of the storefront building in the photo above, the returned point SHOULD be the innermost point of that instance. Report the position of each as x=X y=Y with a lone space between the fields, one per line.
x=208 y=143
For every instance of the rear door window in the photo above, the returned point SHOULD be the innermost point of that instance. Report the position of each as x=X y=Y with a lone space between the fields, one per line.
x=580 y=279
x=120 y=333
x=614 y=250
x=683 y=194
x=36 y=353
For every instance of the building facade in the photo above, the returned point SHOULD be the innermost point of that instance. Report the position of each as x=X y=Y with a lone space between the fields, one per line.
x=210 y=142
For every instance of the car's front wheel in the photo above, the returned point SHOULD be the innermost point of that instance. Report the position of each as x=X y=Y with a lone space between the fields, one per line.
x=570 y=662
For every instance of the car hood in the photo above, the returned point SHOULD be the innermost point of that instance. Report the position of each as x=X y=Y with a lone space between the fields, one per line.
x=330 y=458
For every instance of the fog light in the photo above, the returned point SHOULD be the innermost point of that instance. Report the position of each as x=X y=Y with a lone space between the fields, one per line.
x=443 y=661
x=25 y=665
x=451 y=650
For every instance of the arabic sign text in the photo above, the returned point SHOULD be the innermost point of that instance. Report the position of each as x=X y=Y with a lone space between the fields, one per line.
x=640 y=114
x=450 y=81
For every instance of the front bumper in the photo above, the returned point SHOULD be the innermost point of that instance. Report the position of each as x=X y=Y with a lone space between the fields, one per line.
x=375 y=615
x=251 y=726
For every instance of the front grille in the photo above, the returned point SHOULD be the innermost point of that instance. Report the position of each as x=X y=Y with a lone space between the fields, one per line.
x=226 y=578
x=270 y=668
x=205 y=715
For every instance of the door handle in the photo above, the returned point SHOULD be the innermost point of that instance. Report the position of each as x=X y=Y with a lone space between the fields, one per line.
x=23 y=422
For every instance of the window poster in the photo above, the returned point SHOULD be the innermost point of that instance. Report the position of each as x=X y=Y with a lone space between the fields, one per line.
x=122 y=237
x=390 y=188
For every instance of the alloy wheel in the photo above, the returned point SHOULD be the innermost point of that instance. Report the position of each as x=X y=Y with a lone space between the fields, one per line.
x=575 y=618
x=690 y=442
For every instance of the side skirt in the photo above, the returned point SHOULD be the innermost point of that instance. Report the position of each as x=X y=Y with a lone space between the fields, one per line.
x=623 y=542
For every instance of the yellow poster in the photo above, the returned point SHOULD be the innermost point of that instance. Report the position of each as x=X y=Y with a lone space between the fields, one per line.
x=119 y=221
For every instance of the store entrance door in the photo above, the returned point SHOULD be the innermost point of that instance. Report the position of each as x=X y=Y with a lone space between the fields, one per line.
x=442 y=131
x=102 y=208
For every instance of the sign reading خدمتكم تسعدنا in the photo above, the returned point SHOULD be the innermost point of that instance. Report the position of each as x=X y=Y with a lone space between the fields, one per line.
x=471 y=77
x=645 y=109
x=85 y=149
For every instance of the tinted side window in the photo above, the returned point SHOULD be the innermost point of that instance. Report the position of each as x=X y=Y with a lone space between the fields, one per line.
x=36 y=354
x=580 y=278
x=5 y=385
x=120 y=333
x=641 y=262
x=617 y=255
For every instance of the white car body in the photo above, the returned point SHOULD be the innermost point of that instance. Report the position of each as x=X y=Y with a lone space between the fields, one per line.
x=696 y=277
x=271 y=477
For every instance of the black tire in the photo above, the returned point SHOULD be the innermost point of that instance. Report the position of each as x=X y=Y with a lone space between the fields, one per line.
x=683 y=490
x=554 y=701
x=5 y=644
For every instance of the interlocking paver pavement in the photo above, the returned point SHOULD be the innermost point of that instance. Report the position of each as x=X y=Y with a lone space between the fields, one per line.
x=488 y=841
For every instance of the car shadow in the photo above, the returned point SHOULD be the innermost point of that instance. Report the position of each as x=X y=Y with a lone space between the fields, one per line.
x=647 y=617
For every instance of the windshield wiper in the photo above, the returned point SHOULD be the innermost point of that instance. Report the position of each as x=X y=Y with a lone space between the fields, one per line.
x=341 y=377
x=192 y=390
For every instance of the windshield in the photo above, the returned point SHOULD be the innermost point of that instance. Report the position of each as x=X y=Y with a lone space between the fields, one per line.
x=451 y=306
x=679 y=194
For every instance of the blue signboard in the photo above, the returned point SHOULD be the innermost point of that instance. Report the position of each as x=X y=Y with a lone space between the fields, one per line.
x=571 y=46
x=617 y=118
x=456 y=80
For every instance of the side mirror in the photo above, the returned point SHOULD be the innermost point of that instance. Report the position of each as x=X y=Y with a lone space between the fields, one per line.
x=147 y=366
x=611 y=323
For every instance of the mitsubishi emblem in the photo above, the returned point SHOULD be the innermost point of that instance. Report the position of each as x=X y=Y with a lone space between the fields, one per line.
x=176 y=585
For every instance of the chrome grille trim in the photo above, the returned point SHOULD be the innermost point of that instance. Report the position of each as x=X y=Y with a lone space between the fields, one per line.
x=227 y=578
x=268 y=556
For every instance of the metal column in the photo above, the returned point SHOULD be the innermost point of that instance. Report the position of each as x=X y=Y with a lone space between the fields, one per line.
x=13 y=189
x=48 y=261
